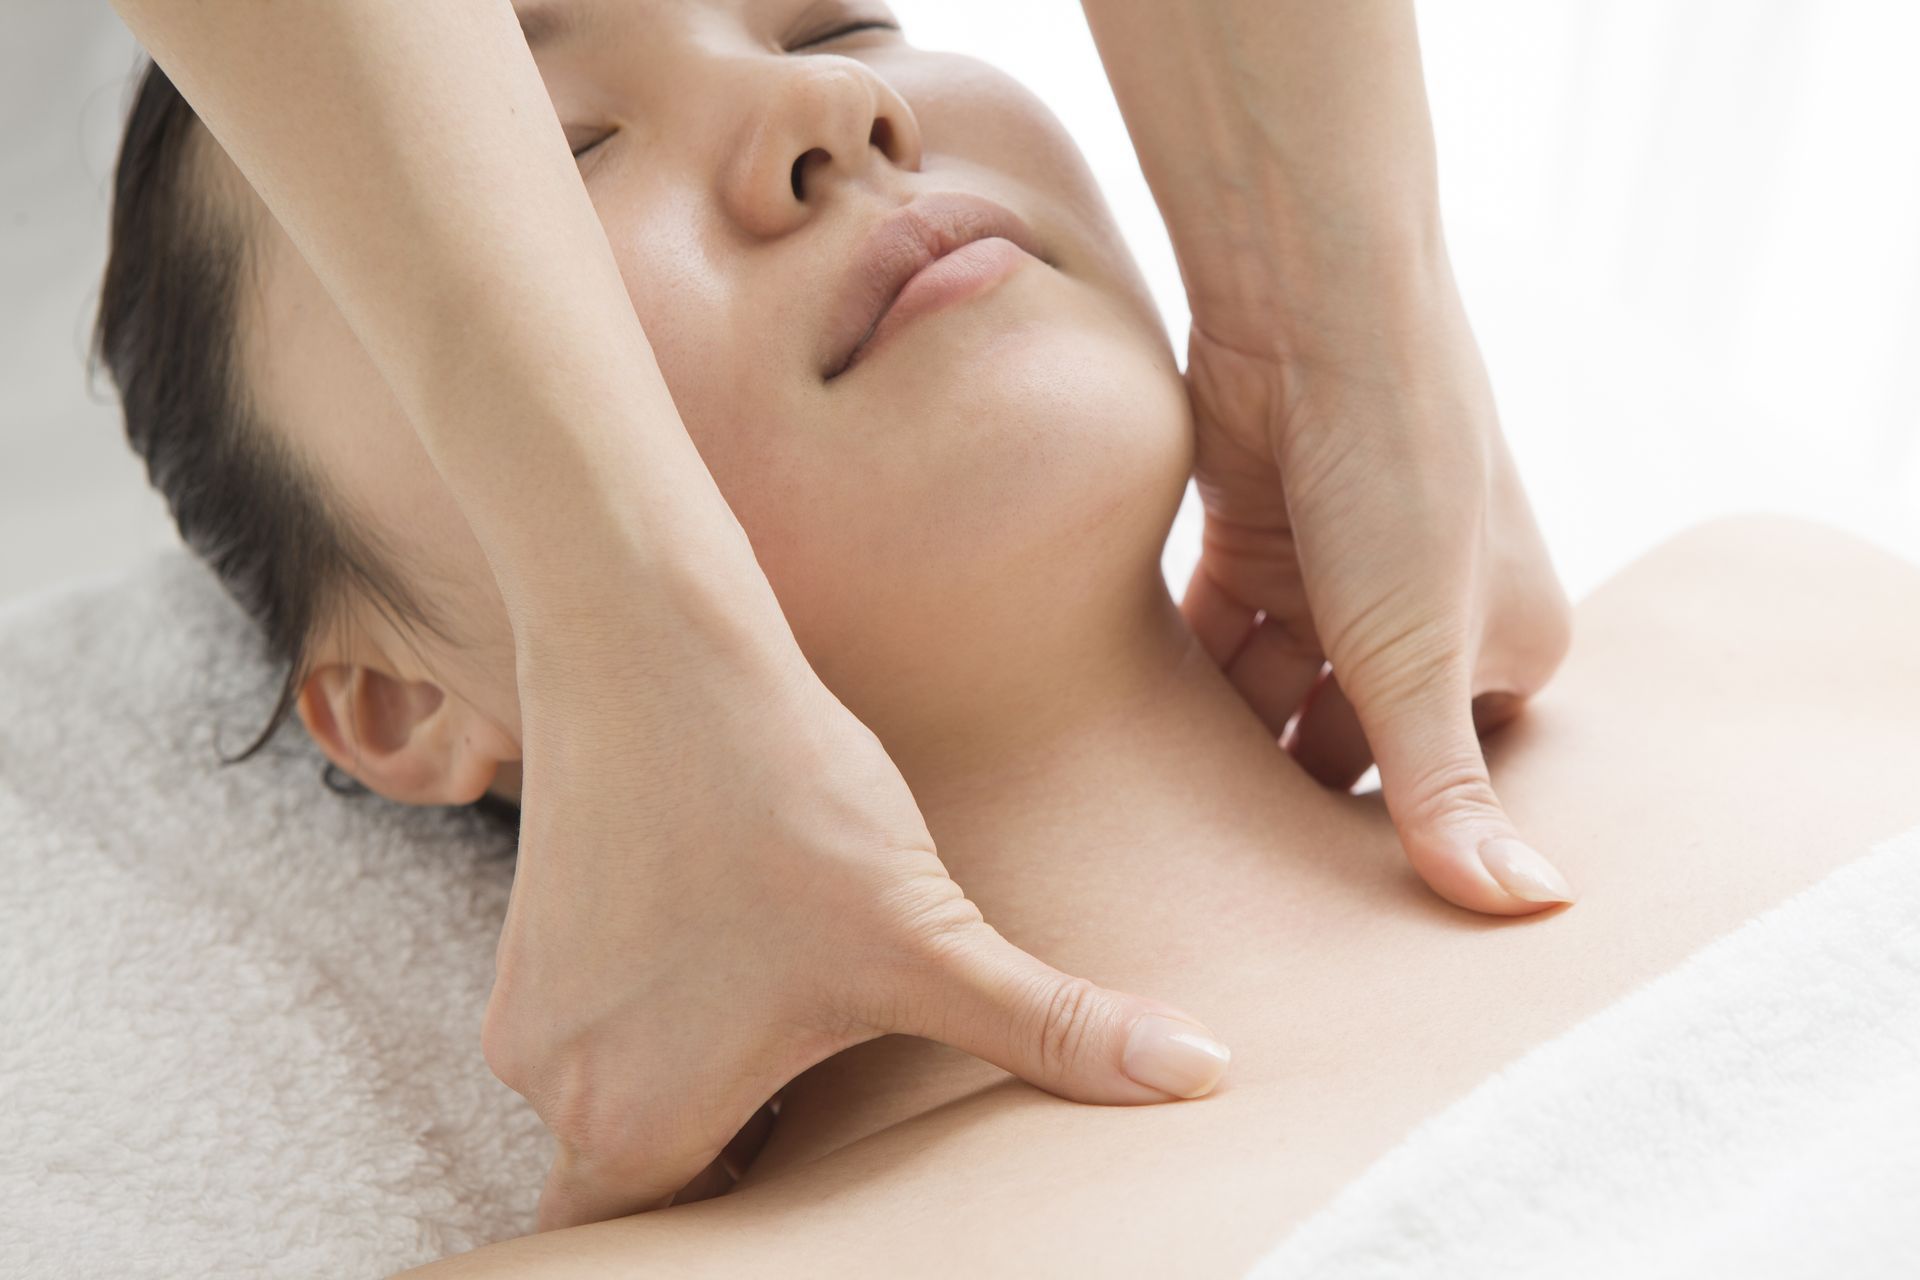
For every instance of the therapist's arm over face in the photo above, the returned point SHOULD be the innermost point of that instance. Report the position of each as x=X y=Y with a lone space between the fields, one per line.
x=412 y=155
x=1360 y=500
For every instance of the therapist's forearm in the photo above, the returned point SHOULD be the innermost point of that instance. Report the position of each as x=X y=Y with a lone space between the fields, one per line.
x=1287 y=143
x=412 y=155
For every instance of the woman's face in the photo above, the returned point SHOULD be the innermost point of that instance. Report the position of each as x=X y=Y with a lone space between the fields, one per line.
x=966 y=472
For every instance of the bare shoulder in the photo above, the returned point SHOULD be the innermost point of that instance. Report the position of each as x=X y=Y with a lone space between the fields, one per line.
x=1782 y=564
x=1774 y=606
x=1748 y=692
x=1772 y=537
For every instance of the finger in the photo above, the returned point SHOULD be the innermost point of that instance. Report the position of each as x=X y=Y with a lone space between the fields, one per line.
x=746 y=1145
x=1328 y=741
x=714 y=1180
x=726 y=1169
x=1491 y=710
x=1274 y=672
x=1221 y=623
x=582 y=1189
x=1066 y=1035
x=574 y=1194
x=1455 y=832
x=1330 y=745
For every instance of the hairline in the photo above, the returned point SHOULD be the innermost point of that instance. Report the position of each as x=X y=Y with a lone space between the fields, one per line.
x=222 y=197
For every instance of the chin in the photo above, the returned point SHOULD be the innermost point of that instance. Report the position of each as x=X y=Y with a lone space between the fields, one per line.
x=1059 y=428
x=1021 y=467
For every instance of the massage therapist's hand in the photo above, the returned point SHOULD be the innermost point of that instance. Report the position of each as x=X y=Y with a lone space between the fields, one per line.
x=1360 y=501
x=1359 y=494
x=723 y=879
x=722 y=876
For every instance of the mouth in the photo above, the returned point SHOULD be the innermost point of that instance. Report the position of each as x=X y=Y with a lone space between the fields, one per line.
x=936 y=249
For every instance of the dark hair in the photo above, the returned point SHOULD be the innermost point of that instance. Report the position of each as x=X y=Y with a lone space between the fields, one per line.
x=241 y=497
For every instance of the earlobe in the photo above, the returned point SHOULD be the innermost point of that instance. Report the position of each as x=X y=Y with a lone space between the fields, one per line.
x=409 y=740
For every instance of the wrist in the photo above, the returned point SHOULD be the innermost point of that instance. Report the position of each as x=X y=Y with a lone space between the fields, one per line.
x=1407 y=362
x=1327 y=297
x=697 y=612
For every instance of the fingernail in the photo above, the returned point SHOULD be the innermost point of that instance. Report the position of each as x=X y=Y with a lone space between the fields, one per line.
x=1173 y=1057
x=1522 y=872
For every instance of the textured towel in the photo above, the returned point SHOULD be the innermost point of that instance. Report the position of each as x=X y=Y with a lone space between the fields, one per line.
x=239 y=1012
x=1754 y=1112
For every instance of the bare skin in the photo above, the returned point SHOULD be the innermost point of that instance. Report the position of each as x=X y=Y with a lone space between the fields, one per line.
x=964 y=534
x=1702 y=756
x=456 y=364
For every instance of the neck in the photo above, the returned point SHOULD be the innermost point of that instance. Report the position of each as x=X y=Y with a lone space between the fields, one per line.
x=1098 y=762
x=1132 y=823
x=1110 y=754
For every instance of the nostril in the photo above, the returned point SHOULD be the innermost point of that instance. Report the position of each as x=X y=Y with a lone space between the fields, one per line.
x=882 y=136
x=799 y=171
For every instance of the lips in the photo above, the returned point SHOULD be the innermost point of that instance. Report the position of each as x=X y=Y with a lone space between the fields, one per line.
x=922 y=231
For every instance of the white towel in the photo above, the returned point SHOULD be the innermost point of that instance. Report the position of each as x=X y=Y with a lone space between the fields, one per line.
x=1754 y=1112
x=239 y=1013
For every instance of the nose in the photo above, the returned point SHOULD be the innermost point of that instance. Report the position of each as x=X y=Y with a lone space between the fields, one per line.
x=818 y=120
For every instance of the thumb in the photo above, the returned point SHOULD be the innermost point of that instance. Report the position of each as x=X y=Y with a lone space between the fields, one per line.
x=1063 y=1034
x=1433 y=775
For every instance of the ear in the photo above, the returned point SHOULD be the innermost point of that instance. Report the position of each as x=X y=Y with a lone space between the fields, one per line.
x=409 y=740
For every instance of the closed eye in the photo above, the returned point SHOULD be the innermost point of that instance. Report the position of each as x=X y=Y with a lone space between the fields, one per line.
x=850 y=29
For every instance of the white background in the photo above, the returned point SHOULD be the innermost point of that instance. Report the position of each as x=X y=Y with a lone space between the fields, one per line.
x=1688 y=232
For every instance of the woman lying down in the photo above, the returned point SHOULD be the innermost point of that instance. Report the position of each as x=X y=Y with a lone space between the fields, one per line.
x=964 y=527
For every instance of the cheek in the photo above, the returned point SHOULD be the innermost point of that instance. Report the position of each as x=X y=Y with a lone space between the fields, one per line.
x=976 y=119
x=1009 y=457
x=971 y=110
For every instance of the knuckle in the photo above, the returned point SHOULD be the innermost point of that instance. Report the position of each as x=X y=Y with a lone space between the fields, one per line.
x=574 y=1106
x=1455 y=792
x=1533 y=643
x=1071 y=1014
x=576 y=1128
x=933 y=915
x=1387 y=652
x=918 y=931
x=503 y=1045
x=1556 y=625
x=565 y=1086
